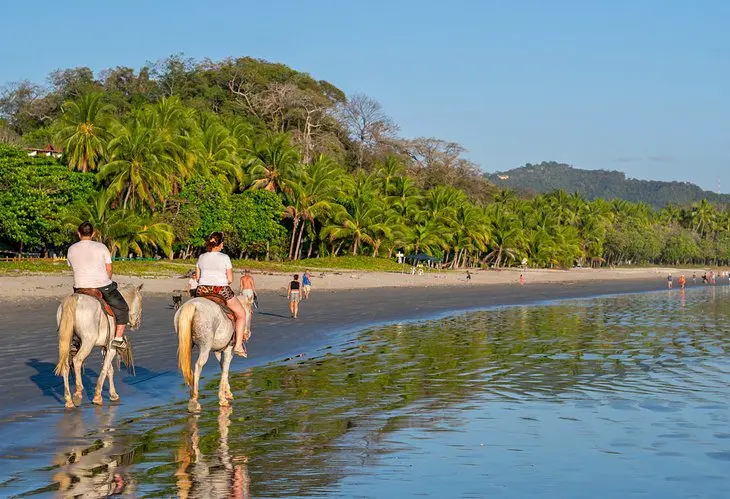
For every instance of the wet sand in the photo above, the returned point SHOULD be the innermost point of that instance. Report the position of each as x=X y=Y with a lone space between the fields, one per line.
x=28 y=346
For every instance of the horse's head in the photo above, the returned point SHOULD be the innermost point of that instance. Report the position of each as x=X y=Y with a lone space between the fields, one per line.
x=133 y=295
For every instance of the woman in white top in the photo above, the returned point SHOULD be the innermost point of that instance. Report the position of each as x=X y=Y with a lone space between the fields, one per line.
x=214 y=273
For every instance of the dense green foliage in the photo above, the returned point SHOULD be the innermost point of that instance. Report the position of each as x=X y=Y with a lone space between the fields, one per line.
x=35 y=194
x=592 y=184
x=291 y=168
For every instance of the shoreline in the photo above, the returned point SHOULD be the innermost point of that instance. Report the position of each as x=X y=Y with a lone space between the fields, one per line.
x=34 y=286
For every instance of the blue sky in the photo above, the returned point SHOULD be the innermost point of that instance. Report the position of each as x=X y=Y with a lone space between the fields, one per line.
x=637 y=86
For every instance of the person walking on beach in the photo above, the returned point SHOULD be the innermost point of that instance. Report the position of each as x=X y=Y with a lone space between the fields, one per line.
x=669 y=281
x=694 y=278
x=293 y=296
x=306 y=284
x=522 y=280
x=91 y=264
x=247 y=287
x=214 y=273
x=682 y=281
x=192 y=285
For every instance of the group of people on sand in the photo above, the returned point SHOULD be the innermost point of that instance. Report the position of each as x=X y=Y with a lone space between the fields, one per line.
x=707 y=278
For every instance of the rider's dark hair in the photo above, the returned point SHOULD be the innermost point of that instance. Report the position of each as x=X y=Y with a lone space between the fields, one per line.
x=86 y=229
x=214 y=239
x=296 y=277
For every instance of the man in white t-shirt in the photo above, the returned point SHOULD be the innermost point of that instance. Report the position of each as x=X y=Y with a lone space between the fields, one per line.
x=91 y=263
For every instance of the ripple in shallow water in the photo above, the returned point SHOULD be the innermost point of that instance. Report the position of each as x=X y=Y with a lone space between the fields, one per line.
x=617 y=396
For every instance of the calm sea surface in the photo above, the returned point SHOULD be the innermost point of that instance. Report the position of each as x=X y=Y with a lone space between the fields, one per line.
x=613 y=397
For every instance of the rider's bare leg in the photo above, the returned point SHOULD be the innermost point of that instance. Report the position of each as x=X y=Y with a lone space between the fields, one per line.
x=120 y=330
x=237 y=308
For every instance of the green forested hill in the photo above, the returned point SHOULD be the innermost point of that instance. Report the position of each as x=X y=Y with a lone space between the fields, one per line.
x=549 y=176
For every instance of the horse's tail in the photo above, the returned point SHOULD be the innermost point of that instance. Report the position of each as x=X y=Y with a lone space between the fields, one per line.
x=185 y=341
x=65 y=332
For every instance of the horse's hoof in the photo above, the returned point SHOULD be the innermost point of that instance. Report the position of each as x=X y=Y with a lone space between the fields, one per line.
x=229 y=396
x=70 y=404
x=193 y=407
x=97 y=400
x=78 y=398
x=113 y=397
x=223 y=403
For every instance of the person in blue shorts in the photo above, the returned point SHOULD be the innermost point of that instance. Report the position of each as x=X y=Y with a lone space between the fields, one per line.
x=306 y=284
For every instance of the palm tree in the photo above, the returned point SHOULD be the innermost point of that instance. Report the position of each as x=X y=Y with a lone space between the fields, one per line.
x=426 y=236
x=84 y=131
x=139 y=170
x=215 y=153
x=703 y=217
x=358 y=220
x=388 y=171
x=312 y=196
x=504 y=236
x=273 y=162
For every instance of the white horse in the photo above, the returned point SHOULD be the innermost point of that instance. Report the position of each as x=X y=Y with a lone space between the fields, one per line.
x=83 y=316
x=203 y=323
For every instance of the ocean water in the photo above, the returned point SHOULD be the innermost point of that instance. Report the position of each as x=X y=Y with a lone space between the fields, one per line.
x=623 y=396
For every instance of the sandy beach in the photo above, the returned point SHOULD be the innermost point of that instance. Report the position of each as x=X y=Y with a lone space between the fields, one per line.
x=24 y=287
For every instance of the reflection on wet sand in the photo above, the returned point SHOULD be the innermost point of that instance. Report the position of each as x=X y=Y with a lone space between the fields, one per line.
x=94 y=470
x=215 y=475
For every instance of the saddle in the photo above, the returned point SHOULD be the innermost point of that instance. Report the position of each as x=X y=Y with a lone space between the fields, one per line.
x=221 y=302
x=95 y=293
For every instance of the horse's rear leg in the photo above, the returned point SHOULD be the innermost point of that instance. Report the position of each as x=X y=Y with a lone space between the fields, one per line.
x=67 y=388
x=78 y=362
x=193 y=405
x=224 y=391
x=106 y=369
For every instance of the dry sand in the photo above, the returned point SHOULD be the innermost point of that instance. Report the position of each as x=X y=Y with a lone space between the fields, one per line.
x=14 y=288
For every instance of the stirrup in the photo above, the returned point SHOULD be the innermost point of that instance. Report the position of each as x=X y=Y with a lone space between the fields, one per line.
x=119 y=342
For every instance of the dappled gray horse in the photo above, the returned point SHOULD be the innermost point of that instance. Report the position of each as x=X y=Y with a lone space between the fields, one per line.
x=202 y=322
x=83 y=316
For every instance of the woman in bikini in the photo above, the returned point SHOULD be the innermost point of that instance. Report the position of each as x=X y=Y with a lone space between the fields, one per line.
x=214 y=273
x=293 y=295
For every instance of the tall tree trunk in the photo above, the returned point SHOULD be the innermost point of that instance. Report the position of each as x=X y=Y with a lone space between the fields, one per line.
x=293 y=237
x=267 y=251
x=354 y=246
x=311 y=243
x=297 y=253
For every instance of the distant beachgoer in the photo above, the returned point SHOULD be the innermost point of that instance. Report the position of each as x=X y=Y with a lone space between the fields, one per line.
x=681 y=281
x=522 y=280
x=669 y=281
x=192 y=286
x=293 y=296
x=468 y=276
x=694 y=278
x=712 y=277
x=306 y=284
x=247 y=287
x=704 y=278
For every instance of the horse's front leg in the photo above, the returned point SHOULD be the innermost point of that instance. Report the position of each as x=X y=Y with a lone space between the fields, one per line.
x=224 y=391
x=113 y=395
x=193 y=405
x=227 y=358
x=78 y=362
x=105 y=370
x=67 y=388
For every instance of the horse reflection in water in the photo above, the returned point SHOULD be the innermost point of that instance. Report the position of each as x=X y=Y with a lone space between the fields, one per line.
x=92 y=470
x=217 y=475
